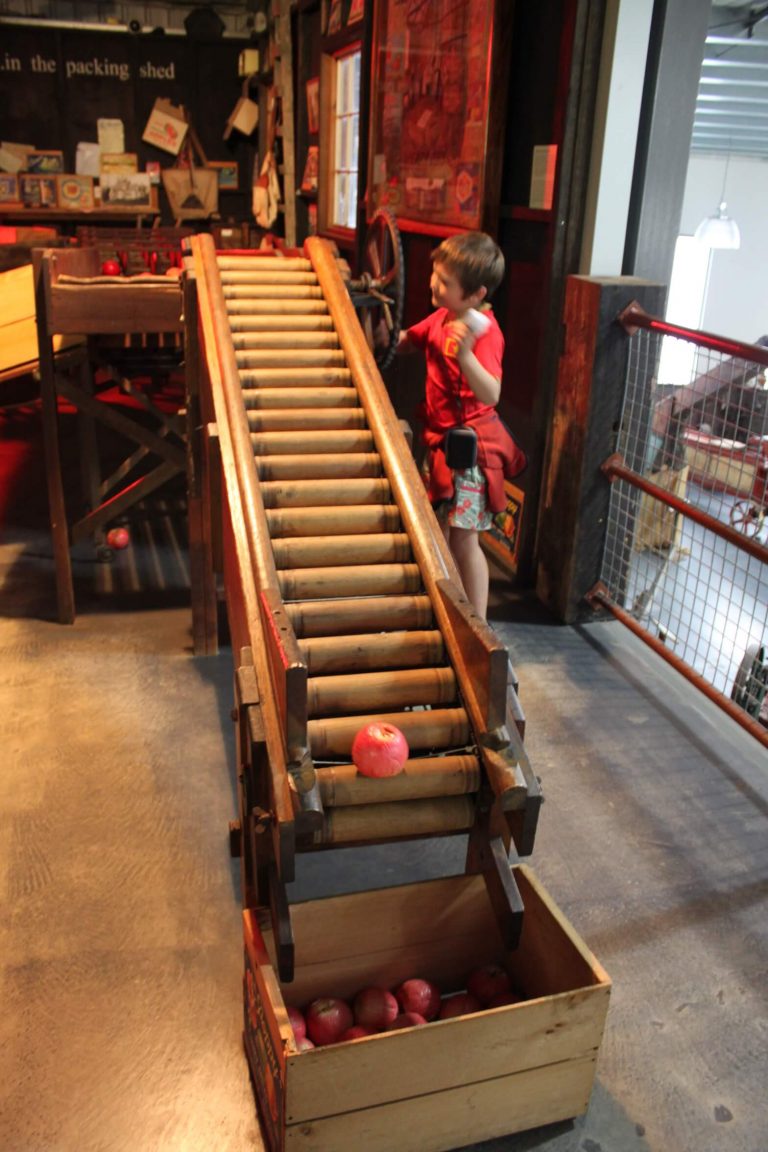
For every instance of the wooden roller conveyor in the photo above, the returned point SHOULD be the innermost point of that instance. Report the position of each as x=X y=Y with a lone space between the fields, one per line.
x=343 y=600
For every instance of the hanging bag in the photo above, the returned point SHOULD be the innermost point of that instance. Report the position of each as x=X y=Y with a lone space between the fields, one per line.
x=193 y=192
x=266 y=189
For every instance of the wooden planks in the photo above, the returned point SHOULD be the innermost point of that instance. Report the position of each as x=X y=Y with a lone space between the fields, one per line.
x=446 y=1084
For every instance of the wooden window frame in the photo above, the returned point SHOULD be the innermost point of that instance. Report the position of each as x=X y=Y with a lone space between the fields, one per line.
x=343 y=236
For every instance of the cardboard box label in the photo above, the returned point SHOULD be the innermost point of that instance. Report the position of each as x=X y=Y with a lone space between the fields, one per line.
x=166 y=127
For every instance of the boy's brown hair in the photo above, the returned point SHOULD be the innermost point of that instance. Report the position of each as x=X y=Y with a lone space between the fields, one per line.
x=474 y=259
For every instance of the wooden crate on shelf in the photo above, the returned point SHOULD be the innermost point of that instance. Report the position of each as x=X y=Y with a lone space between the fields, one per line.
x=439 y=1086
x=18 y=331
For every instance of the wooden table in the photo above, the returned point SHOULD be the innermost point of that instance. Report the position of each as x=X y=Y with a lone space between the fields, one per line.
x=72 y=299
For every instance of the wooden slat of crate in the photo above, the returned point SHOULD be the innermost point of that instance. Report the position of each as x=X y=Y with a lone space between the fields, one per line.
x=405 y=915
x=446 y=1055
x=453 y=1119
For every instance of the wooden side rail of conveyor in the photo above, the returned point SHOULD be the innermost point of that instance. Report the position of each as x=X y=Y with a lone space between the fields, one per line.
x=343 y=599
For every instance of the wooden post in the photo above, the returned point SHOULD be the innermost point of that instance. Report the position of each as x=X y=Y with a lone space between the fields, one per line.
x=587 y=411
x=285 y=87
x=65 y=596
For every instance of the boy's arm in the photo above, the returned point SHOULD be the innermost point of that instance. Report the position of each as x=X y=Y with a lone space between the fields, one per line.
x=381 y=339
x=404 y=342
x=483 y=383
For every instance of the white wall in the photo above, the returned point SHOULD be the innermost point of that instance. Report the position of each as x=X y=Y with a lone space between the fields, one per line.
x=617 y=113
x=737 y=299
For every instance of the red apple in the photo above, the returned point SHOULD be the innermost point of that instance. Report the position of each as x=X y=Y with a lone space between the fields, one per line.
x=304 y=1044
x=111 y=268
x=297 y=1022
x=503 y=999
x=356 y=1032
x=326 y=1019
x=406 y=1020
x=419 y=996
x=379 y=749
x=460 y=1004
x=375 y=1008
x=118 y=538
x=487 y=981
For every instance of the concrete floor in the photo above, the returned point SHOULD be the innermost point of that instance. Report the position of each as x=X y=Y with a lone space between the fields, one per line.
x=120 y=946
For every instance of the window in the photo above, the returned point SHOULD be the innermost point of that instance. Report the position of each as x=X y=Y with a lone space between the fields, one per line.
x=345 y=128
x=685 y=306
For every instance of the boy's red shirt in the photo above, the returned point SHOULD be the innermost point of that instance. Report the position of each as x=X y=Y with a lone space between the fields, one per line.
x=450 y=401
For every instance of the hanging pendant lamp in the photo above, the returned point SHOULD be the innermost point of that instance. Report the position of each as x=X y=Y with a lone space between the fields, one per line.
x=721 y=230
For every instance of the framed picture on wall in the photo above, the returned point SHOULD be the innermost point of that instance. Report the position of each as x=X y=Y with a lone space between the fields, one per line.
x=44 y=163
x=430 y=112
x=311 y=169
x=356 y=11
x=228 y=174
x=313 y=105
x=126 y=190
x=334 y=17
x=503 y=538
x=9 y=188
x=37 y=191
x=75 y=192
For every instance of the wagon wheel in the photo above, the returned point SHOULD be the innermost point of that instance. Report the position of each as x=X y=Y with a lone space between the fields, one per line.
x=381 y=286
x=747 y=517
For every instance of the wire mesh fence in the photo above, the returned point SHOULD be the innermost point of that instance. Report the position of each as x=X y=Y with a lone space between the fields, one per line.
x=703 y=593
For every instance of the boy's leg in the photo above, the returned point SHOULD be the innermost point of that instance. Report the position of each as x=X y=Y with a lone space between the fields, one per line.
x=473 y=567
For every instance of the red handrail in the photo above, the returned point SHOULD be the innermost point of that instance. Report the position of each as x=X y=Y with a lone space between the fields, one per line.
x=599 y=595
x=615 y=469
x=634 y=317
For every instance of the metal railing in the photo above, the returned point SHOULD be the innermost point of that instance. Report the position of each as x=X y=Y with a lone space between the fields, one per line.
x=685 y=564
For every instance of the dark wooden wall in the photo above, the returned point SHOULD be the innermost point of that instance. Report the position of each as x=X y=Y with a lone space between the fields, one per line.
x=47 y=100
x=551 y=86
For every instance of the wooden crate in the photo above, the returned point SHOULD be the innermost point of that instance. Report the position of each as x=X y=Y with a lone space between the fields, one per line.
x=439 y=1086
x=18 y=330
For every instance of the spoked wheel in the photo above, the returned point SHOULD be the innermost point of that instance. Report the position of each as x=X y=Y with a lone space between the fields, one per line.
x=378 y=294
x=747 y=517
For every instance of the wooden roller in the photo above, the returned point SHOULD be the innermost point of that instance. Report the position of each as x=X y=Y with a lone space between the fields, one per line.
x=362 y=580
x=350 y=465
x=295 y=378
x=299 y=397
x=277 y=265
x=363 y=691
x=254 y=277
x=331 y=738
x=306 y=419
x=269 y=322
x=301 y=493
x=318 y=551
x=283 y=306
x=333 y=440
x=333 y=521
x=303 y=357
x=364 y=824
x=341 y=785
x=271 y=292
x=372 y=650
x=364 y=614
x=294 y=340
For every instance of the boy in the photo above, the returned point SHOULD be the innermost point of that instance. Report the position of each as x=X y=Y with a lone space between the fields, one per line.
x=463 y=388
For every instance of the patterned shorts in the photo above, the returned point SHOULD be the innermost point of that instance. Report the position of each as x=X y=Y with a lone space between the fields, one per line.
x=469 y=506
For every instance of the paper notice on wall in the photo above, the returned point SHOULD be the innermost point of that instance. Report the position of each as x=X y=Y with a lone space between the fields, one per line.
x=543 y=170
x=87 y=159
x=13 y=157
x=111 y=135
